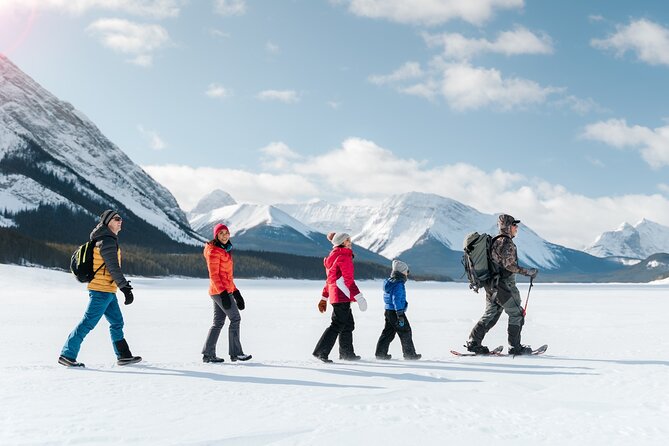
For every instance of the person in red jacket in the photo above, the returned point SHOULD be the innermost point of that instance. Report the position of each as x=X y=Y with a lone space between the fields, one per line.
x=228 y=301
x=340 y=289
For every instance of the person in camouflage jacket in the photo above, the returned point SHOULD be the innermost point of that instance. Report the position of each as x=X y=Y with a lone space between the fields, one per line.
x=502 y=293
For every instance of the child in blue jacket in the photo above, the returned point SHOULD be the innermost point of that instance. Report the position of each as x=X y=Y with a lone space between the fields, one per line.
x=394 y=296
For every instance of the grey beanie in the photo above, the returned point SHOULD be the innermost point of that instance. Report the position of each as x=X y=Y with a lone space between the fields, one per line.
x=338 y=238
x=107 y=216
x=400 y=267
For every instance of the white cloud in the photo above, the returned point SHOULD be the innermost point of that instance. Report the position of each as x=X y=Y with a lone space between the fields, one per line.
x=510 y=43
x=218 y=33
x=158 y=9
x=153 y=139
x=647 y=39
x=465 y=87
x=137 y=39
x=278 y=156
x=230 y=7
x=410 y=70
x=595 y=162
x=190 y=184
x=653 y=144
x=581 y=106
x=218 y=91
x=344 y=174
x=431 y=12
x=335 y=105
x=468 y=88
x=663 y=187
x=272 y=48
x=287 y=96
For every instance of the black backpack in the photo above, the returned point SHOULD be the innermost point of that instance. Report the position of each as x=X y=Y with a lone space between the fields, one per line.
x=478 y=264
x=81 y=263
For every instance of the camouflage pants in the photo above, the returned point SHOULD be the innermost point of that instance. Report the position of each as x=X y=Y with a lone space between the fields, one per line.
x=506 y=299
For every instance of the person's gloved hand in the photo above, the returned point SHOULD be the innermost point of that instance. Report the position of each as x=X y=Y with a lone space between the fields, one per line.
x=127 y=292
x=532 y=272
x=401 y=320
x=322 y=305
x=225 y=300
x=362 y=302
x=239 y=299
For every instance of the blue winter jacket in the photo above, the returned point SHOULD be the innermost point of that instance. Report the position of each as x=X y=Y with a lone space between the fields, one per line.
x=394 y=294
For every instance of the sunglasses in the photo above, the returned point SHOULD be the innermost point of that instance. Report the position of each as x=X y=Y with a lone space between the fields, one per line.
x=117 y=218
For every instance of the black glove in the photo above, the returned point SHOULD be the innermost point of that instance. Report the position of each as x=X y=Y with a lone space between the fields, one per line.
x=401 y=320
x=225 y=300
x=532 y=272
x=239 y=299
x=127 y=292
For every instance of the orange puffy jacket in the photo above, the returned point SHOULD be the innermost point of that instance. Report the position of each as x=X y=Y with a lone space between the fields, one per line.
x=220 y=266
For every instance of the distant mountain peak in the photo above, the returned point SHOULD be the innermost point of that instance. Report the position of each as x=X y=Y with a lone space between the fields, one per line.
x=213 y=200
x=637 y=242
x=52 y=155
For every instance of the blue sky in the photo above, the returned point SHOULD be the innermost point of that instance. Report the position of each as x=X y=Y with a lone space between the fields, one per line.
x=553 y=111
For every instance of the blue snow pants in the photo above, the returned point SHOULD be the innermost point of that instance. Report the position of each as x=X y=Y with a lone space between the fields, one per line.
x=100 y=304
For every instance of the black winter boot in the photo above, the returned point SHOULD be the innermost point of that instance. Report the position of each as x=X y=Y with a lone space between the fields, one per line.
x=69 y=362
x=476 y=347
x=212 y=359
x=514 y=341
x=124 y=355
x=476 y=338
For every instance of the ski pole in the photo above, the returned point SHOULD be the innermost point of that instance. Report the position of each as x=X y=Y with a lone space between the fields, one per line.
x=528 y=296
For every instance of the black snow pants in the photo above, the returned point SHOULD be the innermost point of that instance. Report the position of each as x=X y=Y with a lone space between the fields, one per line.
x=342 y=326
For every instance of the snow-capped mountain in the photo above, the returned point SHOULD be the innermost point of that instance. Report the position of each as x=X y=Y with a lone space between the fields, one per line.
x=428 y=230
x=241 y=217
x=267 y=228
x=637 y=242
x=326 y=217
x=401 y=222
x=52 y=155
x=214 y=200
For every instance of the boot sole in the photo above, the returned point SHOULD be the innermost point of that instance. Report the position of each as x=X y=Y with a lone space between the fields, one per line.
x=129 y=361
x=68 y=363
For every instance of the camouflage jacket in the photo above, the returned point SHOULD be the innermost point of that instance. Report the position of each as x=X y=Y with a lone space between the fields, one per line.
x=505 y=254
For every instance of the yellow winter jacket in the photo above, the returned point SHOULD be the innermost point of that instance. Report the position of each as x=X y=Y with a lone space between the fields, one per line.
x=103 y=280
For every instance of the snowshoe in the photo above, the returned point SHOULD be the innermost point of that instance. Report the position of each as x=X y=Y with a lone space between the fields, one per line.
x=477 y=348
x=520 y=350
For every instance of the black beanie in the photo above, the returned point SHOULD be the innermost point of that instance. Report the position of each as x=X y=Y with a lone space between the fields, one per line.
x=107 y=216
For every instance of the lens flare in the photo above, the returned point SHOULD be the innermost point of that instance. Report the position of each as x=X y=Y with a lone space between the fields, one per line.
x=15 y=41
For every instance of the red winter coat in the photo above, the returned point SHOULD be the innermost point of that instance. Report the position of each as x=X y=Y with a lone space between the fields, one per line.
x=340 y=284
x=220 y=266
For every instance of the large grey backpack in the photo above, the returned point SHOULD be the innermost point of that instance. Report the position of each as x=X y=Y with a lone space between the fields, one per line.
x=479 y=267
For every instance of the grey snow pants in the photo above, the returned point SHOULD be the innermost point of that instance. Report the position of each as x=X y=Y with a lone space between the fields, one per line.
x=220 y=314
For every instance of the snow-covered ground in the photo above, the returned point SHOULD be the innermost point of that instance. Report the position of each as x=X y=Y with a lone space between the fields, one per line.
x=603 y=380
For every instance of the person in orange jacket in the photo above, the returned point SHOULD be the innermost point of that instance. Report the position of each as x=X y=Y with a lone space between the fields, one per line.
x=340 y=289
x=228 y=301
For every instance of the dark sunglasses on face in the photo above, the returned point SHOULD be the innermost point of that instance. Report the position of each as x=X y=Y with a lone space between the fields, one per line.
x=117 y=218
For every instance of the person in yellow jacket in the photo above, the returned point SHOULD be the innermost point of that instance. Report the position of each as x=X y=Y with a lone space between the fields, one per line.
x=102 y=294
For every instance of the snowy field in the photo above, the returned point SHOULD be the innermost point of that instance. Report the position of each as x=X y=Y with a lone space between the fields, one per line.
x=603 y=381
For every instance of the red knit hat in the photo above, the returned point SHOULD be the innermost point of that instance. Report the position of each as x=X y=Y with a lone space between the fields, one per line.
x=218 y=228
